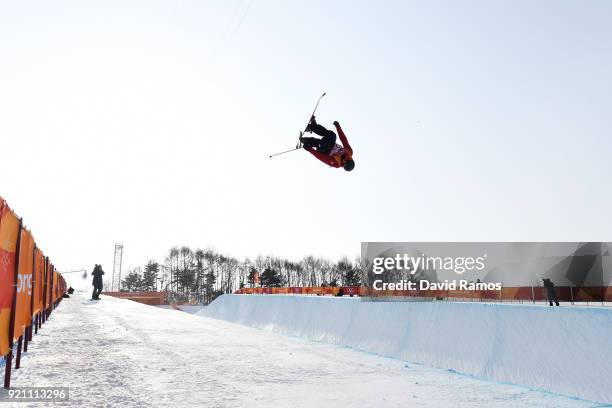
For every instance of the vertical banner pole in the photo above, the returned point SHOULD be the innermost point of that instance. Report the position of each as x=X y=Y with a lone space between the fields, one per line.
x=33 y=289
x=603 y=287
x=11 y=330
x=18 y=358
x=26 y=336
x=51 y=290
x=27 y=333
x=44 y=286
x=47 y=293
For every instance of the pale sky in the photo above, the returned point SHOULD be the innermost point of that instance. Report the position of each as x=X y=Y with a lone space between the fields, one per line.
x=150 y=123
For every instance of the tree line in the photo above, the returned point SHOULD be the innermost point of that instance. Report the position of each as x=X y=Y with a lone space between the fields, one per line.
x=203 y=274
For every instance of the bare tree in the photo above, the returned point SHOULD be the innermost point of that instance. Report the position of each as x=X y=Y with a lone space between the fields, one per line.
x=204 y=274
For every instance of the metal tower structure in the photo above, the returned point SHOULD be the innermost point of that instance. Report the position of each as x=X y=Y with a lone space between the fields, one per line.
x=116 y=283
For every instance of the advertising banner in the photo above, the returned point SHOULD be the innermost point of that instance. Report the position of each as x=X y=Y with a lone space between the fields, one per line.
x=38 y=281
x=9 y=230
x=24 y=284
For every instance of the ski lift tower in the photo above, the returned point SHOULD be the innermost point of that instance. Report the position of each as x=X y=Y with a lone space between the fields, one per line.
x=116 y=283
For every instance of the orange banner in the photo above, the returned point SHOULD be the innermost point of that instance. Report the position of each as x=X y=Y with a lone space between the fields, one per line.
x=38 y=281
x=9 y=230
x=24 y=284
x=48 y=285
x=26 y=279
x=55 y=286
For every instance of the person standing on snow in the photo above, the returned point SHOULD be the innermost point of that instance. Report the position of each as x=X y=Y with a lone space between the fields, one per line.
x=326 y=149
x=97 y=282
x=551 y=292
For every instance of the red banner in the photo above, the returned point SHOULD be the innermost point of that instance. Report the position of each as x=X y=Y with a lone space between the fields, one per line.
x=9 y=231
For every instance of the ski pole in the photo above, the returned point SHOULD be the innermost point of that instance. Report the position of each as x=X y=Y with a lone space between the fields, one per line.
x=286 y=151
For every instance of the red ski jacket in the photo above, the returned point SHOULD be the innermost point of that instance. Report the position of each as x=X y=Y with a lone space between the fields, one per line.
x=334 y=158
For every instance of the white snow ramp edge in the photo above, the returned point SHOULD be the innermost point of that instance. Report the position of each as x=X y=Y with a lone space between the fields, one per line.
x=563 y=350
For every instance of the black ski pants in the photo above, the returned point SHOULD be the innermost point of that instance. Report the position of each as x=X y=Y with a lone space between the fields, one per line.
x=96 y=292
x=552 y=296
x=323 y=145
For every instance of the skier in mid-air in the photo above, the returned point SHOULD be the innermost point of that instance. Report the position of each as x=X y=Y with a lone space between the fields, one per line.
x=326 y=149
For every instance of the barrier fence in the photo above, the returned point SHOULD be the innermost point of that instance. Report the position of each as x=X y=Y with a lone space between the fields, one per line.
x=518 y=294
x=148 y=298
x=30 y=288
x=312 y=290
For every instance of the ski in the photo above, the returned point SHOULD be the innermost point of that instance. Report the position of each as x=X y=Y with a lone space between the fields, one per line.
x=299 y=144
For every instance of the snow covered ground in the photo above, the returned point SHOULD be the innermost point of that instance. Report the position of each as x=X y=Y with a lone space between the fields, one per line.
x=120 y=353
x=565 y=350
x=184 y=308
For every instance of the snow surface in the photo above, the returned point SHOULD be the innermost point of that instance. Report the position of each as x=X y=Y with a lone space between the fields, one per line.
x=562 y=350
x=119 y=353
x=184 y=308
